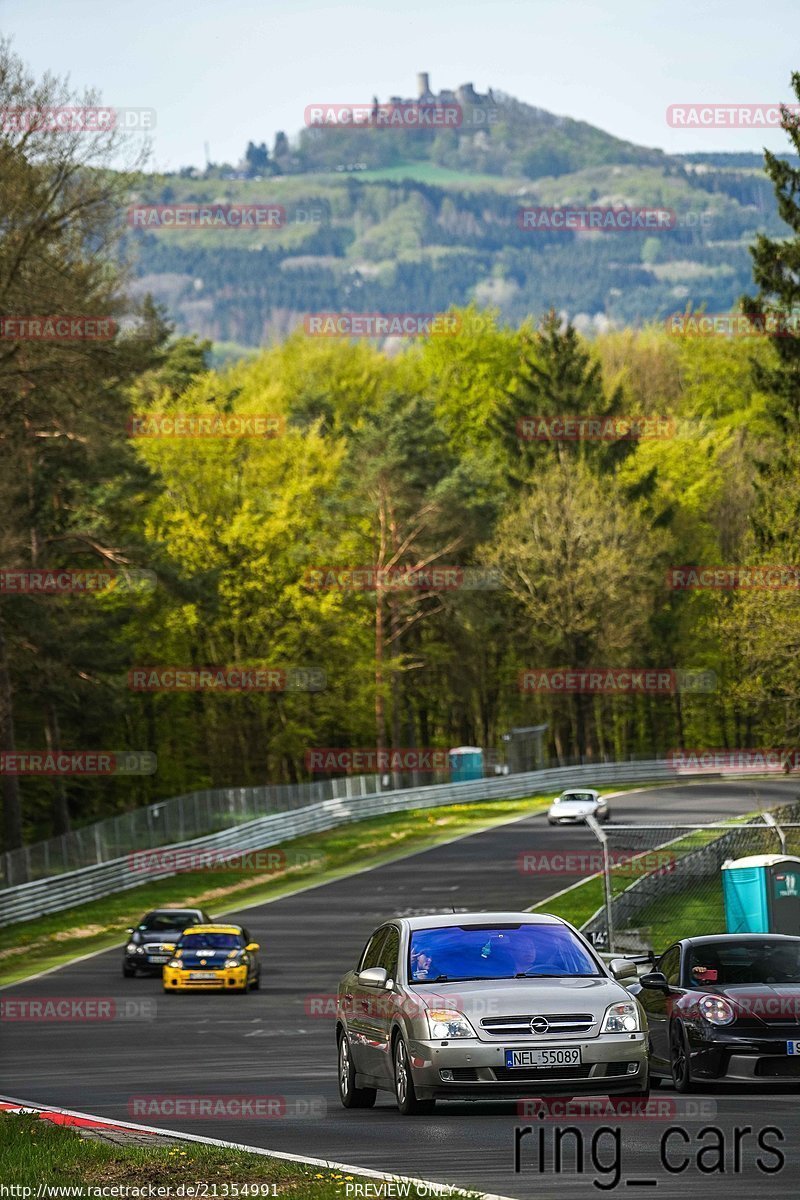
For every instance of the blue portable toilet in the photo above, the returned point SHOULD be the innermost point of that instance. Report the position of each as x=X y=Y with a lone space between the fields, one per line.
x=466 y=762
x=762 y=894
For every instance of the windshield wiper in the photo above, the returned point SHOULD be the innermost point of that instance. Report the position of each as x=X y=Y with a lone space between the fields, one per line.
x=462 y=979
x=552 y=975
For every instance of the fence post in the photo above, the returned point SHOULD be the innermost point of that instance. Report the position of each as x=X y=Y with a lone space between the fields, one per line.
x=768 y=819
x=601 y=837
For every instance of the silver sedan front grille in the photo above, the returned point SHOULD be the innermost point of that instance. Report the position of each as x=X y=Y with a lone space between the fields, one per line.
x=558 y=1025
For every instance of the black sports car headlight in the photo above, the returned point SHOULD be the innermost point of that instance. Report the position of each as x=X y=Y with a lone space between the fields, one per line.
x=717 y=1010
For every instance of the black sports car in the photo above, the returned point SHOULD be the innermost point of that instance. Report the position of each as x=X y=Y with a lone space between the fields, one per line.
x=145 y=947
x=724 y=1008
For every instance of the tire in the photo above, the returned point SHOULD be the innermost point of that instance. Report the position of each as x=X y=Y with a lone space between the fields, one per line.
x=679 y=1059
x=256 y=984
x=350 y=1095
x=404 y=1092
x=128 y=972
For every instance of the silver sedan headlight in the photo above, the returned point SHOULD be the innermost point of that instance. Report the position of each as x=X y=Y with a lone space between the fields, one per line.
x=448 y=1023
x=622 y=1018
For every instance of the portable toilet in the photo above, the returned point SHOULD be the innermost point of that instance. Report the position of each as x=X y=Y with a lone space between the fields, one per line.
x=466 y=762
x=762 y=894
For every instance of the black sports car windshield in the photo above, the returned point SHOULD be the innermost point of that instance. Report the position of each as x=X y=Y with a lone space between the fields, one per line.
x=162 y=921
x=461 y=952
x=750 y=961
x=211 y=941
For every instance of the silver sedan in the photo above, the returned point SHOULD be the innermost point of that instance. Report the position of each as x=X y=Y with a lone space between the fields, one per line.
x=486 y=1006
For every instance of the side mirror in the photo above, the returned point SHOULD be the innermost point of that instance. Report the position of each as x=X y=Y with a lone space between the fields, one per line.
x=168 y=946
x=131 y=930
x=623 y=968
x=253 y=946
x=375 y=977
x=656 y=981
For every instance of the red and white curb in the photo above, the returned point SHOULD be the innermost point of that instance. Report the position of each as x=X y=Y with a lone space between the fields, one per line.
x=69 y=1117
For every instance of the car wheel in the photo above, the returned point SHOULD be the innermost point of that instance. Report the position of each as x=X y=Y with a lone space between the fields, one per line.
x=679 y=1059
x=257 y=982
x=127 y=971
x=407 y=1101
x=350 y=1095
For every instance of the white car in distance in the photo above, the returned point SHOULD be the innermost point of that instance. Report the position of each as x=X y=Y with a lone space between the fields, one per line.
x=575 y=805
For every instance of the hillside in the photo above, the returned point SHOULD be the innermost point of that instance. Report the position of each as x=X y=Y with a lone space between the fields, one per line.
x=415 y=221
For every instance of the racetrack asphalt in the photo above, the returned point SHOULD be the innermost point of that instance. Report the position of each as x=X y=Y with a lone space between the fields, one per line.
x=269 y=1043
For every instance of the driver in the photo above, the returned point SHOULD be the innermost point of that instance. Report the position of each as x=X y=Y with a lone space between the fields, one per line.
x=420 y=964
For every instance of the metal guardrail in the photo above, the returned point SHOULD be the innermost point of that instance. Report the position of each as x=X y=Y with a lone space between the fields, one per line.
x=168 y=821
x=62 y=891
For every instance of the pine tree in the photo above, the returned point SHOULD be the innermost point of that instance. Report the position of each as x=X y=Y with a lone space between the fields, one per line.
x=776 y=271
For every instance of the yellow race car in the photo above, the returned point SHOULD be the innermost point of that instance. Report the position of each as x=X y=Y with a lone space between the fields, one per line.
x=218 y=958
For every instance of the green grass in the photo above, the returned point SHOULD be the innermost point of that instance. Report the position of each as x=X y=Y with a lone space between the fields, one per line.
x=30 y=946
x=687 y=914
x=34 y=1152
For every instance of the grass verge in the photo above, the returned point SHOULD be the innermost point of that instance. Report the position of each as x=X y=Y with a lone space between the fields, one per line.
x=30 y=946
x=35 y=1152
x=692 y=912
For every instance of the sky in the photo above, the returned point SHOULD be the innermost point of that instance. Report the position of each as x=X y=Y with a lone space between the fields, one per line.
x=225 y=72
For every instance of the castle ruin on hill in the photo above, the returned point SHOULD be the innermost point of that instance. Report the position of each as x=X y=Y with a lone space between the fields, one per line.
x=463 y=95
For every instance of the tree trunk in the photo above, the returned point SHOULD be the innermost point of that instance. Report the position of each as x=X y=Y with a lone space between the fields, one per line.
x=380 y=703
x=12 y=808
x=52 y=733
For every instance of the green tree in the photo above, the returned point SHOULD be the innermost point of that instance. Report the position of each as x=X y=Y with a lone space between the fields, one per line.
x=62 y=440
